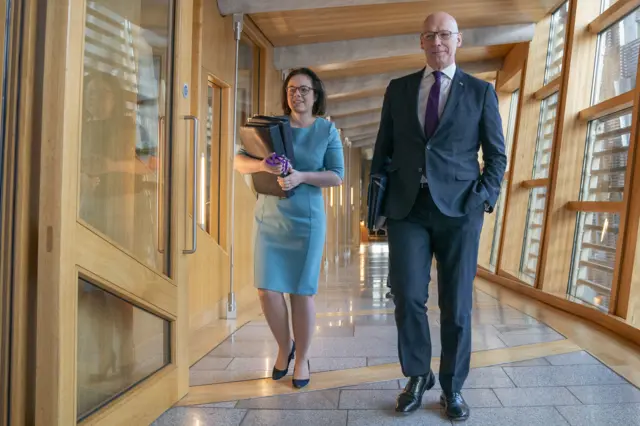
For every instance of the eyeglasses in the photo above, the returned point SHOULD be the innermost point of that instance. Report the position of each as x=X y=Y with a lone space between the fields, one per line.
x=444 y=35
x=304 y=90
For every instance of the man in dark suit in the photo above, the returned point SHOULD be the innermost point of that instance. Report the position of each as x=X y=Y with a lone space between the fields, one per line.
x=432 y=126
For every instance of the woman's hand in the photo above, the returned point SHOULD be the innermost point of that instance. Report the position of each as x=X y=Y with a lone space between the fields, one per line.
x=274 y=169
x=294 y=179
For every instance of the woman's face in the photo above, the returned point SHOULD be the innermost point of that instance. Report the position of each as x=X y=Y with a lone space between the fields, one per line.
x=300 y=94
x=99 y=99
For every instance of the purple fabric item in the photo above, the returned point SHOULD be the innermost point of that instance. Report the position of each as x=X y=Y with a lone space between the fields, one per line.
x=431 y=114
x=274 y=160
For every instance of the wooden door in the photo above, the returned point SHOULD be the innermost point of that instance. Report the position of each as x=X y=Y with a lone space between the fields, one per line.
x=115 y=236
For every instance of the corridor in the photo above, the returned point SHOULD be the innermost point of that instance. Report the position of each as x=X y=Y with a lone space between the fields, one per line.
x=525 y=370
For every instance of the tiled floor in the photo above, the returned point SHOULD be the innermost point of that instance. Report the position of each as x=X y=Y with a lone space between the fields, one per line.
x=569 y=389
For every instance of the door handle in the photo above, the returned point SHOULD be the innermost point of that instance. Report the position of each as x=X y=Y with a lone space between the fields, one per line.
x=160 y=188
x=194 y=189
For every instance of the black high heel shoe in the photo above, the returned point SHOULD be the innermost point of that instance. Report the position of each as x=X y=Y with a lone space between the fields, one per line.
x=279 y=374
x=300 y=383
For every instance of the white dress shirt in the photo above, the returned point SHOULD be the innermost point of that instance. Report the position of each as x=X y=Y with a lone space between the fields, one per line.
x=427 y=82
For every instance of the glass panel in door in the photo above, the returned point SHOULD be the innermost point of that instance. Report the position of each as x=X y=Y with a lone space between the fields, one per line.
x=123 y=177
x=123 y=191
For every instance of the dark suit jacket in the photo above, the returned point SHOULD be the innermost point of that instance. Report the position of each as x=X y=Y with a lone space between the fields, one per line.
x=470 y=119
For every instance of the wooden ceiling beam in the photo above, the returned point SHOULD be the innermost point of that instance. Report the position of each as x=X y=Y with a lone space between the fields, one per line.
x=228 y=7
x=355 y=132
x=342 y=108
x=368 y=142
x=357 y=120
x=316 y=54
x=342 y=86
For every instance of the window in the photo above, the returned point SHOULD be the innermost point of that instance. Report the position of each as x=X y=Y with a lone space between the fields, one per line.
x=248 y=85
x=499 y=209
x=537 y=196
x=594 y=258
x=248 y=80
x=617 y=59
x=497 y=230
x=123 y=191
x=555 y=51
x=533 y=235
x=212 y=153
x=511 y=126
x=546 y=129
x=606 y=154
x=118 y=344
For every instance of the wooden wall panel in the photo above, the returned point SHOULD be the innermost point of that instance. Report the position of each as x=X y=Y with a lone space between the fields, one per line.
x=510 y=75
x=569 y=145
x=526 y=131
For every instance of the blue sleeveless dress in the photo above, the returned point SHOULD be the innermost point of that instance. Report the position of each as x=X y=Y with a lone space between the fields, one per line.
x=290 y=233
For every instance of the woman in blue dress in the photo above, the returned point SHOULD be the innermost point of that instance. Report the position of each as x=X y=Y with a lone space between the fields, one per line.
x=290 y=232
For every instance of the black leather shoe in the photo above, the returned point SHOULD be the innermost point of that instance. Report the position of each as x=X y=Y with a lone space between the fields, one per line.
x=411 y=397
x=455 y=407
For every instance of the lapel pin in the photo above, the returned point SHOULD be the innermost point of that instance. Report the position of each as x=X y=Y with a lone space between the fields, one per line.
x=461 y=83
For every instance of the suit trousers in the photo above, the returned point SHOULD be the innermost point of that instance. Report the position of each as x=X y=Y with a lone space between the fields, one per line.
x=454 y=241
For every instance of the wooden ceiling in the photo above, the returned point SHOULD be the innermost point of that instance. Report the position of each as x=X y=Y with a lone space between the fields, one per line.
x=406 y=62
x=345 y=23
x=332 y=24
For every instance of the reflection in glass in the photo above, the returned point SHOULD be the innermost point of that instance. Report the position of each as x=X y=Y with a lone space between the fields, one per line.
x=211 y=154
x=533 y=235
x=544 y=144
x=205 y=167
x=617 y=59
x=247 y=93
x=248 y=69
x=594 y=258
x=119 y=345
x=555 y=51
x=124 y=111
x=606 y=155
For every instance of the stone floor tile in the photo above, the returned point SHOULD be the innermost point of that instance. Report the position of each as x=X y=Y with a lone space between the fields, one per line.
x=535 y=397
x=574 y=375
x=390 y=418
x=529 y=416
x=188 y=416
x=295 y=418
x=573 y=358
x=607 y=394
x=602 y=415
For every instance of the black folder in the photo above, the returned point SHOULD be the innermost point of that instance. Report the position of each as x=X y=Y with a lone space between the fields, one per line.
x=262 y=135
x=376 y=197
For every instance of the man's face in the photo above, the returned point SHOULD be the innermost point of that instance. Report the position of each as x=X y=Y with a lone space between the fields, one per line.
x=439 y=40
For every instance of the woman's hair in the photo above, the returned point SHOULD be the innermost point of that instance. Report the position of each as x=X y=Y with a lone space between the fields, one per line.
x=320 y=103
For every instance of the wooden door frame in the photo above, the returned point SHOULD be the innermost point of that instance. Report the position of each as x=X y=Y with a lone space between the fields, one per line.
x=21 y=180
x=60 y=262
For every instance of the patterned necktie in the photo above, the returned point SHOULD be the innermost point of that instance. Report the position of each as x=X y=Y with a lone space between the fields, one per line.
x=431 y=114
